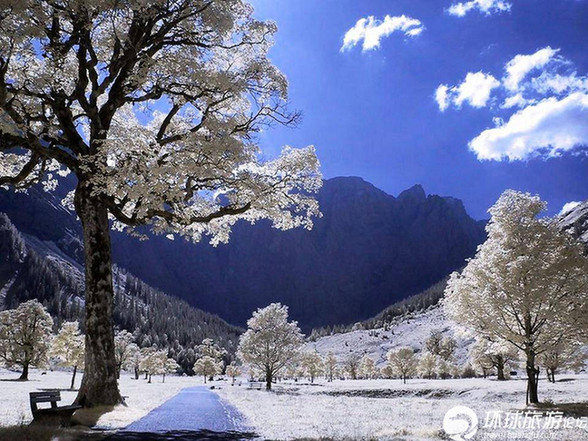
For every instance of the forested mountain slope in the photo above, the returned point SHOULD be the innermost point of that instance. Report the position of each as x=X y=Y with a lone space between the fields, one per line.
x=32 y=268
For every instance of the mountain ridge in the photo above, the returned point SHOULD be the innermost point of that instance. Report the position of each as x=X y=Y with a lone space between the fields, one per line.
x=369 y=250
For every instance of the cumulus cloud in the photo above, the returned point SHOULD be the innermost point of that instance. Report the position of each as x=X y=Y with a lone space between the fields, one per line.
x=484 y=6
x=550 y=127
x=539 y=107
x=569 y=206
x=371 y=30
x=475 y=90
x=518 y=68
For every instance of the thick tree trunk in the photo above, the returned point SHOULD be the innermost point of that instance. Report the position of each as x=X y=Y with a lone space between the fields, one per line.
x=268 y=380
x=500 y=371
x=99 y=384
x=73 y=377
x=532 y=378
x=24 y=376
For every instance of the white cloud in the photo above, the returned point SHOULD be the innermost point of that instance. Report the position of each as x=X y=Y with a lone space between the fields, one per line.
x=549 y=127
x=371 y=31
x=475 y=90
x=485 y=6
x=515 y=101
x=442 y=97
x=518 y=68
x=569 y=206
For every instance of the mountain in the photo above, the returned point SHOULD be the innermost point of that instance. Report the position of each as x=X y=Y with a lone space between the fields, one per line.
x=575 y=222
x=31 y=268
x=368 y=251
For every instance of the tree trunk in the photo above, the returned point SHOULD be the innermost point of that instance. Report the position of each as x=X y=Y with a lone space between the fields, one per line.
x=532 y=380
x=73 y=378
x=163 y=379
x=25 y=372
x=500 y=372
x=136 y=373
x=99 y=386
x=204 y=379
x=268 y=380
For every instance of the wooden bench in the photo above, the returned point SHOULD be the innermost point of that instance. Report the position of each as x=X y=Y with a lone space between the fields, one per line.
x=256 y=385
x=55 y=414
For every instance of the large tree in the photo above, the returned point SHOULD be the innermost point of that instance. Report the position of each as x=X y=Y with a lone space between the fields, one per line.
x=527 y=284
x=154 y=107
x=270 y=342
x=25 y=336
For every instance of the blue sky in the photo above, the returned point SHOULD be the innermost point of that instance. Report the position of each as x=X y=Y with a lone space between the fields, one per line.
x=406 y=111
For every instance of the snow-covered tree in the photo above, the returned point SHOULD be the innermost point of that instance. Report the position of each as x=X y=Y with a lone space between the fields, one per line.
x=352 y=366
x=440 y=346
x=154 y=107
x=207 y=366
x=68 y=347
x=312 y=364
x=367 y=368
x=25 y=336
x=387 y=371
x=565 y=355
x=169 y=366
x=233 y=371
x=403 y=362
x=489 y=354
x=208 y=348
x=270 y=342
x=153 y=361
x=427 y=367
x=527 y=284
x=124 y=350
x=330 y=366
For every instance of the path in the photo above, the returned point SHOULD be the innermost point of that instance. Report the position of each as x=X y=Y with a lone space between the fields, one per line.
x=193 y=414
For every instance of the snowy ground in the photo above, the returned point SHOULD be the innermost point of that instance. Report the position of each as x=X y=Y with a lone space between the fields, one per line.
x=388 y=409
x=142 y=397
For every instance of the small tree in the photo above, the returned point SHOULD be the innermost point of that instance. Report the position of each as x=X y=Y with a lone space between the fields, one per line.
x=352 y=366
x=68 y=347
x=124 y=349
x=208 y=348
x=527 y=284
x=153 y=362
x=25 y=336
x=497 y=355
x=169 y=366
x=403 y=362
x=367 y=368
x=562 y=356
x=427 y=367
x=207 y=367
x=270 y=342
x=312 y=364
x=330 y=366
x=440 y=346
x=233 y=371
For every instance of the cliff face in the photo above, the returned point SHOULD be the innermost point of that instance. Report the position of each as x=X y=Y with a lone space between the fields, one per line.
x=576 y=222
x=368 y=251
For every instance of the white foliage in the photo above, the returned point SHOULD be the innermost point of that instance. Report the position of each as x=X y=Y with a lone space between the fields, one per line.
x=25 y=335
x=271 y=341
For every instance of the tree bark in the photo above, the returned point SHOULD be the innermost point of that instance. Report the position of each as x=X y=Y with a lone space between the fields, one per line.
x=268 y=380
x=99 y=384
x=532 y=380
x=500 y=371
x=136 y=373
x=73 y=378
x=24 y=376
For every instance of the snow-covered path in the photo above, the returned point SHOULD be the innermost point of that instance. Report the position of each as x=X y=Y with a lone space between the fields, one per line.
x=194 y=410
